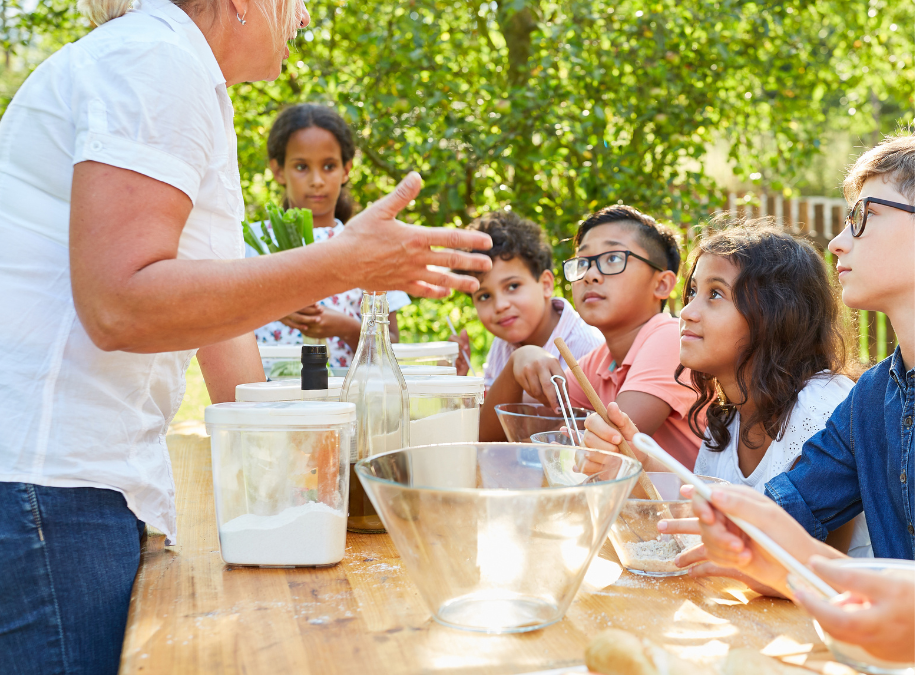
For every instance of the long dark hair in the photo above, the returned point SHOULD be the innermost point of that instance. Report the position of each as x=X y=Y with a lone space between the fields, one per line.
x=305 y=116
x=784 y=292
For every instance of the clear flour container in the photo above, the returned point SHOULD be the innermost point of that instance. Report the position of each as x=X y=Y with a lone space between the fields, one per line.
x=445 y=409
x=288 y=390
x=280 y=479
x=426 y=353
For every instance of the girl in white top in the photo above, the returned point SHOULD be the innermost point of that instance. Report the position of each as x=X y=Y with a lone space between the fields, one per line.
x=120 y=209
x=761 y=332
x=311 y=151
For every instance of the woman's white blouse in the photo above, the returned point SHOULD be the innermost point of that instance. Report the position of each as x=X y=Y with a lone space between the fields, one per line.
x=142 y=92
x=813 y=408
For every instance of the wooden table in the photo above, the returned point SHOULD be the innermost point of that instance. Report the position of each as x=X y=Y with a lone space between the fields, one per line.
x=192 y=613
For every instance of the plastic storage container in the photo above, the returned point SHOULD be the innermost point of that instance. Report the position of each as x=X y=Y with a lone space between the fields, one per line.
x=407 y=370
x=287 y=390
x=283 y=361
x=426 y=353
x=445 y=409
x=280 y=479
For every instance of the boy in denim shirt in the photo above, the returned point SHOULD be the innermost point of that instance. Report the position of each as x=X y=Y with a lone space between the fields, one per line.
x=864 y=460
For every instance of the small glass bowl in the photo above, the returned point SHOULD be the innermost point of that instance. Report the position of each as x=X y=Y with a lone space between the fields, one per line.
x=635 y=537
x=520 y=421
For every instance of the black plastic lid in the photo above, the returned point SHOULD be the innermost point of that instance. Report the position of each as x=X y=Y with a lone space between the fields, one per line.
x=314 y=367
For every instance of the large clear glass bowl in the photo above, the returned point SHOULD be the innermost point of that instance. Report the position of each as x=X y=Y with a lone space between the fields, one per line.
x=491 y=545
x=853 y=655
x=522 y=420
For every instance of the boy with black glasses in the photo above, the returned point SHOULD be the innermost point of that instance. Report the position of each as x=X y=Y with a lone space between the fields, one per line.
x=625 y=269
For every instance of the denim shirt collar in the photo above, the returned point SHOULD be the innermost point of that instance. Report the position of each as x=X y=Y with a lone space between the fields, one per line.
x=897 y=370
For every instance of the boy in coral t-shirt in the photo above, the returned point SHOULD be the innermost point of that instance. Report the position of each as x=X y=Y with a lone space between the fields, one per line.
x=625 y=269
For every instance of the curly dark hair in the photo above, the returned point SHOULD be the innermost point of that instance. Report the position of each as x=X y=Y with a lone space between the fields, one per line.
x=305 y=116
x=792 y=308
x=660 y=241
x=516 y=237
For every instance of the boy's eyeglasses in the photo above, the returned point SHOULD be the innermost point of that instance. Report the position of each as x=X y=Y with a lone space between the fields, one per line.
x=857 y=217
x=608 y=264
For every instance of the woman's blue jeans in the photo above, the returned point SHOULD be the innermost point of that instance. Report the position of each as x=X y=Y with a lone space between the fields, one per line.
x=68 y=558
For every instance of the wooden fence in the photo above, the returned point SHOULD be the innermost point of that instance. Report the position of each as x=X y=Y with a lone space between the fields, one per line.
x=820 y=219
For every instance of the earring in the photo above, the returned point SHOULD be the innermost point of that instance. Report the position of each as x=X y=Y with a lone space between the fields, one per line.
x=241 y=19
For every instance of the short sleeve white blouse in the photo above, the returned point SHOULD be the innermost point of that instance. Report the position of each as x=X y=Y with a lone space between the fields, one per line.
x=813 y=408
x=143 y=92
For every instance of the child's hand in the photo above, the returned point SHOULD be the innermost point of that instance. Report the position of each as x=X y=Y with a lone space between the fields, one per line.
x=304 y=319
x=463 y=348
x=726 y=545
x=333 y=323
x=875 y=612
x=601 y=436
x=533 y=367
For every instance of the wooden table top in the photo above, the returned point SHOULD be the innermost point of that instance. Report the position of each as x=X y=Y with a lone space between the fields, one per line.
x=192 y=613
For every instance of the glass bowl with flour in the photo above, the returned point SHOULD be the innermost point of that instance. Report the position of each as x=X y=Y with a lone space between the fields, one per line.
x=280 y=480
x=635 y=537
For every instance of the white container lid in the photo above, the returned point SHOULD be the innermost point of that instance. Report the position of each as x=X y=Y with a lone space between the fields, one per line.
x=445 y=385
x=280 y=351
x=418 y=350
x=280 y=413
x=287 y=390
x=425 y=371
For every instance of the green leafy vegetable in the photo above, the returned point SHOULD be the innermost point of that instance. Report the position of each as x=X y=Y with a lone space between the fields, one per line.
x=291 y=228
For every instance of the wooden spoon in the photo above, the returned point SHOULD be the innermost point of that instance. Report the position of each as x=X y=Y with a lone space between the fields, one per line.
x=647 y=487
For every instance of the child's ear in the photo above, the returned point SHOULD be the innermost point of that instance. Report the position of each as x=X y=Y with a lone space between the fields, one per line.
x=278 y=174
x=346 y=169
x=665 y=285
x=548 y=281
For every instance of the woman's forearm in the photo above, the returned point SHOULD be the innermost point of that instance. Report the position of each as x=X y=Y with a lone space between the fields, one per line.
x=132 y=292
x=172 y=305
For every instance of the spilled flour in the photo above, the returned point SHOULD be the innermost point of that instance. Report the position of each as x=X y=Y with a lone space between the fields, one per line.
x=310 y=534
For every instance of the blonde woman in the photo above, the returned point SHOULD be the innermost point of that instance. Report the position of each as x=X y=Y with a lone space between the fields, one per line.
x=120 y=256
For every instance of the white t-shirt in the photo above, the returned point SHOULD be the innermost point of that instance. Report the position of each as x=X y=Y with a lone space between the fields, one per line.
x=580 y=337
x=814 y=406
x=339 y=354
x=142 y=92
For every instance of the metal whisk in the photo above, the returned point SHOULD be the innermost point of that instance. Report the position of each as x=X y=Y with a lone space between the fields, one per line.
x=565 y=406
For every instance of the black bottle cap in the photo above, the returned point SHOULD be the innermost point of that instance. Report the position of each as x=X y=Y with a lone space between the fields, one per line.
x=314 y=367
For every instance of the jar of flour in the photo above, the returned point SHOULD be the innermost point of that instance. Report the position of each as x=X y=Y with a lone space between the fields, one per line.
x=445 y=409
x=280 y=479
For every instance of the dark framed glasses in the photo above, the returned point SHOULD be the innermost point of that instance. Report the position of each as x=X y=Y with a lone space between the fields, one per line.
x=857 y=216
x=608 y=264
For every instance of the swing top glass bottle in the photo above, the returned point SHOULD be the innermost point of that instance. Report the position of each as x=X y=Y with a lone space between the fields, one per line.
x=377 y=387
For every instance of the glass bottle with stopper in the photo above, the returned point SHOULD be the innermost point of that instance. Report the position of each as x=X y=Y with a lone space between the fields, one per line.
x=377 y=387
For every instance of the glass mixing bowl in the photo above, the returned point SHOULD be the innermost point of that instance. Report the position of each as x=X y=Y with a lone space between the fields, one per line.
x=635 y=537
x=522 y=420
x=491 y=544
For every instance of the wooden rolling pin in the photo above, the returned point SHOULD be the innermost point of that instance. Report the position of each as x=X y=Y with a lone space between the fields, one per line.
x=651 y=492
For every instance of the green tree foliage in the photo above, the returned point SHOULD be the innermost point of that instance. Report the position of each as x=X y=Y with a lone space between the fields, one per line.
x=555 y=109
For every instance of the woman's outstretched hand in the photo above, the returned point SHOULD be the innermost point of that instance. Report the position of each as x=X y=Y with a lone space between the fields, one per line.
x=386 y=254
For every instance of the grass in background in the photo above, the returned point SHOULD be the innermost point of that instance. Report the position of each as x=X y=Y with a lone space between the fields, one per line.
x=196 y=397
